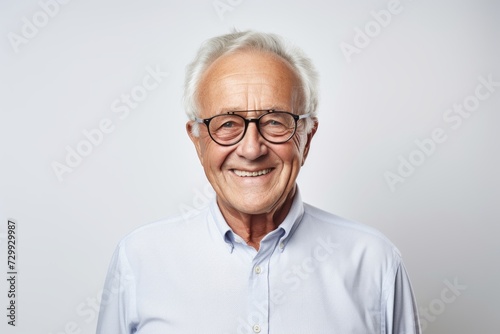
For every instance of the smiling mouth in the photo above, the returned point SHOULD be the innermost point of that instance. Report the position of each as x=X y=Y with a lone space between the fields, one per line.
x=251 y=174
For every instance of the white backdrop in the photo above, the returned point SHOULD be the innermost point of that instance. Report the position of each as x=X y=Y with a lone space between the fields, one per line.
x=407 y=143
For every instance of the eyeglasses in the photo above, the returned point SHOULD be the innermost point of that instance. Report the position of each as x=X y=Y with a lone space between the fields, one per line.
x=276 y=127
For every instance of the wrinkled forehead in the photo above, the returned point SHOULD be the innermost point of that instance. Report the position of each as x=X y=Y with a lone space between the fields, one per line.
x=249 y=80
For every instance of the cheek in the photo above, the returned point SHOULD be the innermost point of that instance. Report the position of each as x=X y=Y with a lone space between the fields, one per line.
x=214 y=155
x=291 y=155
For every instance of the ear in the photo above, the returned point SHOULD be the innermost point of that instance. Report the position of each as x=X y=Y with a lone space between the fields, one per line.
x=310 y=135
x=195 y=139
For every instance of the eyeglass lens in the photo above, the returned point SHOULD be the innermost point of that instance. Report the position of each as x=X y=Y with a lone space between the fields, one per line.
x=276 y=127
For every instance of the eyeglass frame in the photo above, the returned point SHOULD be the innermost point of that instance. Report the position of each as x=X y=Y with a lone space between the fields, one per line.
x=247 y=121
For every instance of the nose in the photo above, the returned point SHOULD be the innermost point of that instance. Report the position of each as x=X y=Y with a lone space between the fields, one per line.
x=253 y=145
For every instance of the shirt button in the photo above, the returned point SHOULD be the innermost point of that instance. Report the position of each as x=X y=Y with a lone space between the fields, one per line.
x=256 y=328
x=282 y=245
x=258 y=270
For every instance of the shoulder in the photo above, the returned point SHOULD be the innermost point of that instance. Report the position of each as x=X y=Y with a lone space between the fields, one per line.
x=165 y=235
x=348 y=234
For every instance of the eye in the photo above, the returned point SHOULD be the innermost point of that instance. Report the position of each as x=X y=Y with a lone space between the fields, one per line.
x=274 y=122
x=228 y=124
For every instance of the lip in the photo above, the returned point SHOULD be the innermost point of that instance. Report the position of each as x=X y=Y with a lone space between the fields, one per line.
x=245 y=173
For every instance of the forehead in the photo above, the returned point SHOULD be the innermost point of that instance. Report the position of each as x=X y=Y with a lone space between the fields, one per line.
x=247 y=80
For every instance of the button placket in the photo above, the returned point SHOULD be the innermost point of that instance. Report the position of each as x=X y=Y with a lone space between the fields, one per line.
x=259 y=285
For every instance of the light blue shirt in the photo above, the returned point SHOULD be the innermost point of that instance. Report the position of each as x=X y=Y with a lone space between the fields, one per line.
x=316 y=273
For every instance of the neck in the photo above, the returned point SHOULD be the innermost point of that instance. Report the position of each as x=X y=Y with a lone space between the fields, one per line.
x=253 y=227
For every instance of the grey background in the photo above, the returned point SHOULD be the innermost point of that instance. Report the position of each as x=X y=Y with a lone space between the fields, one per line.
x=444 y=217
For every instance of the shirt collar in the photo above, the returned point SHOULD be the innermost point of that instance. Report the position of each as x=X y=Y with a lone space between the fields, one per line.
x=288 y=226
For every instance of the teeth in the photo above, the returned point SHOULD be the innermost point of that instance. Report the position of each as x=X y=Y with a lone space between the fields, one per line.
x=245 y=174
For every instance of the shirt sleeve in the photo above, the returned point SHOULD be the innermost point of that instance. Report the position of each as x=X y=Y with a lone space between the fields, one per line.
x=401 y=312
x=117 y=313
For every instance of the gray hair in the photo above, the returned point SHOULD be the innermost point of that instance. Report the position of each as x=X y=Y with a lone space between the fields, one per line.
x=218 y=46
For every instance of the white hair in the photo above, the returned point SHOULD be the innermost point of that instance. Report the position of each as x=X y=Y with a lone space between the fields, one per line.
x=218 y=46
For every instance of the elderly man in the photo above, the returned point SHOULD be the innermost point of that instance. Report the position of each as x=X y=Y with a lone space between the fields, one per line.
x=257 y=259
